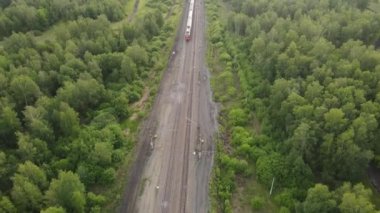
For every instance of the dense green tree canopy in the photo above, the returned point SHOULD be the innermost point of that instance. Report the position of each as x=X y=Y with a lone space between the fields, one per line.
x=319 y=199
x=67 y=191
x=308 y=77
x=69 y=73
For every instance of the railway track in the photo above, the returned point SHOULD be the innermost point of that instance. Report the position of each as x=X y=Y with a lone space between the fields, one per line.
x=189 y=70
x=173 y=179
x=169 y=182
x=189 y=116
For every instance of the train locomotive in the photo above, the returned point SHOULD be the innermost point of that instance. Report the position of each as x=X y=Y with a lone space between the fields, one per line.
x=189 y=21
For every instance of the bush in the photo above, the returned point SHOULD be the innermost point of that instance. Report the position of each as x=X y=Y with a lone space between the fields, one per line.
x=95 y=200
x=133 y=96
x=103 y=119
x=285 y=199
x=257 y=202
x=237 y=117
x=227 y=206
x=231 y=91
x=117 y=155
x=108 y=176
x=284 y=210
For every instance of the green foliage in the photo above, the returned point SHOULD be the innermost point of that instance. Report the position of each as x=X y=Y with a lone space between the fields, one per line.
x=32 y=149
x=269 y=167
x=120 y=105
x=257 y=202
x=83 y=94
x=346 y=198
x=138 y=55
x=224 y=183
x=9 y=124
x=355 y=199
x=67 y=191
x=95 y=152
x=308 y=78
x=319 y=199
x=95 y=200
x=16 y=42
x=68 y=75
x=38 y=126
x=66 y=120
x=285 y=199
x=237 y=117
x=24 y=90
x=25 y=194
x=351 y=158
x=6 y=205
x=33 y=173
x=3 y=161
x=151 y=23
x=128 y=68
x=334 y=120
x=54 y=210
x=108 y=176
x=39 y=15
x=284 y=210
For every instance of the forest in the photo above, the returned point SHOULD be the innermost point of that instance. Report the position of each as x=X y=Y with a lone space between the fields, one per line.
x=69 y=73
x=301 y=104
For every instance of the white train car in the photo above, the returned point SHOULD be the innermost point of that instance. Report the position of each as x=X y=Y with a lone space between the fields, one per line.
x=189 y=21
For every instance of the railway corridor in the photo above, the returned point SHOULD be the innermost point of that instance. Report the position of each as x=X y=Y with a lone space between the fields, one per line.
x=179 y=131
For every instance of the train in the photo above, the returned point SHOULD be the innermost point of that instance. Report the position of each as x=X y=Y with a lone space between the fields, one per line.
x=189 y=21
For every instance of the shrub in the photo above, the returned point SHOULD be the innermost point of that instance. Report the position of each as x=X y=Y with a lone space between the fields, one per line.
x=257 y=202
x=108 y=176
x=237 y=117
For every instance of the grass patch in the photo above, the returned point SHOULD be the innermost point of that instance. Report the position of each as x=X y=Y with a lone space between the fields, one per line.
x=131 y=125
x=246 y=190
